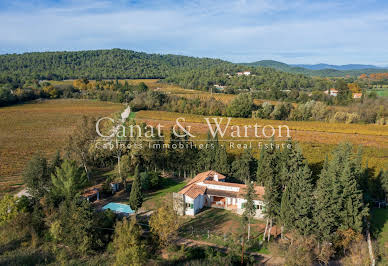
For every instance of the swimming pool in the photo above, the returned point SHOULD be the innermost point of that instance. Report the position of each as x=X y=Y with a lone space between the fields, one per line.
x=118 y=208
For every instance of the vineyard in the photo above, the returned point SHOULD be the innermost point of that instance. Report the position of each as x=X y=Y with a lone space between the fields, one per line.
x=39 y=127
x=316 y=138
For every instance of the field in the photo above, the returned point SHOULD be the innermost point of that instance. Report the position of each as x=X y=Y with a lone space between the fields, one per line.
x=316 y=138
x=381 y=91
x=42 y=126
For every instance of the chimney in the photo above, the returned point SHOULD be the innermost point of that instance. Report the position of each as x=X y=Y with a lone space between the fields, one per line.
x=215 y=177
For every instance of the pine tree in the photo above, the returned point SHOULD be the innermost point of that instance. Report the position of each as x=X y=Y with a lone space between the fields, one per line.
x=36 y=176
x=304 y=202
x=129 y=249
x=325 y=212
x=249 y=205
x=339 y=203
x=136 y=196
x=68 y=179
x=243 y=167
x=273 y=191
x=221 y=161
x=297 y=200
x=353 y=211
x=55 y=162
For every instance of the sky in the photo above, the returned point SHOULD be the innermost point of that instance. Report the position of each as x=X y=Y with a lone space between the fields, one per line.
x=290 y=31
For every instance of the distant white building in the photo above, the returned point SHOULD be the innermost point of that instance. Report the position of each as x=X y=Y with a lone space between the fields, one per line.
x=209 y=189
x=331 y=92
x=219 y=87
x=247 y=73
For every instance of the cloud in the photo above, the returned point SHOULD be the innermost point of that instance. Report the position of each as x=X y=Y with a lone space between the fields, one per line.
x=241 y=31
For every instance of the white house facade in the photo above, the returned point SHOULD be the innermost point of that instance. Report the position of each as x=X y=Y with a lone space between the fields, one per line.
x=209 y=189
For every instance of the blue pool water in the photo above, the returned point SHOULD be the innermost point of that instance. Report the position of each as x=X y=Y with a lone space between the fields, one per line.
x=118 y=208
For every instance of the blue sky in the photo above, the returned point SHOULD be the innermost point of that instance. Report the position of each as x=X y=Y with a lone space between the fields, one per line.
x=291 y=31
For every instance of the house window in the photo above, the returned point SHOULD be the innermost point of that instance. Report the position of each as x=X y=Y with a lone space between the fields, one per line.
x=190 y=205
x=259 y=207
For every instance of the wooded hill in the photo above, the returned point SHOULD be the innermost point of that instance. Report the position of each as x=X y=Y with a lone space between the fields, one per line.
x=327 y=71
x=119 y=63
x=98 y=64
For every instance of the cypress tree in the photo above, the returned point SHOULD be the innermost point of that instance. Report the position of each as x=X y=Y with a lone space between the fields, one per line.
x=136 y=196
x=250 y=208
x=303 y=196
x=273 y=191
x=296 y=210
x=325 y=211
x=221 y=161
x=243 y=167
x=353 y=210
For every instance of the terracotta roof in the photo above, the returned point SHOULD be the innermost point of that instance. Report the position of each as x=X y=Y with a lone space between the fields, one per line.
x=226 y=184
x=192 y=190
x=221 y=193
x=202 y=176
x=195 y=191
x=259 y=191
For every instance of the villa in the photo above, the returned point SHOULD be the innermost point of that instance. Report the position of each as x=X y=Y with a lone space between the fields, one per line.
x=209 y=189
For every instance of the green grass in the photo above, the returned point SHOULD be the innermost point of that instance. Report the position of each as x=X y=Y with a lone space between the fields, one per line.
x=169 y=185
x=379 y=228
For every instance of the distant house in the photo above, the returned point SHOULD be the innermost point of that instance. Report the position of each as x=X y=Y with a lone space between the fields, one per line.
x=332 y=92
x=240 y=73
x=357 y=95
x=247 y=73
x=219 y=87
x=209 y=189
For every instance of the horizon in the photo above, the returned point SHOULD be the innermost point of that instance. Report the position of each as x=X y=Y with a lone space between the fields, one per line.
x=301 y=32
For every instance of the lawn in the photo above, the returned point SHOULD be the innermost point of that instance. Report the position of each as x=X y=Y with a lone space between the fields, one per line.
x=379 y=228
x=169 y=185
x=39 y=127
x=221 y=227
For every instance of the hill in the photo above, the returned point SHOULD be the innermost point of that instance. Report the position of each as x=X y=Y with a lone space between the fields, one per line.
x=336 y=67
x=322 y=70
x=98 y=64
x=124 y=64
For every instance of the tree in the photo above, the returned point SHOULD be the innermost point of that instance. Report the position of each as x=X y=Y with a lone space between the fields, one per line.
x=326 y=211
x=272 y=199
x=36 y=176
x=129 y=248
x=353 y=211
x=339 y=201
x=221 y=164
x=249 y=205
x=164 y=223
x=244 y=167
x=74 y=226
x=55 y=162
x=8 y=208
x=78 y=144
x=136 y=196
x=241 y=106
x=297 y=202
x=68 y=179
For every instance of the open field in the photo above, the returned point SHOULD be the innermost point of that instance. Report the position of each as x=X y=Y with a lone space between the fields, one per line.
x=316 y=138
x=42 y=126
